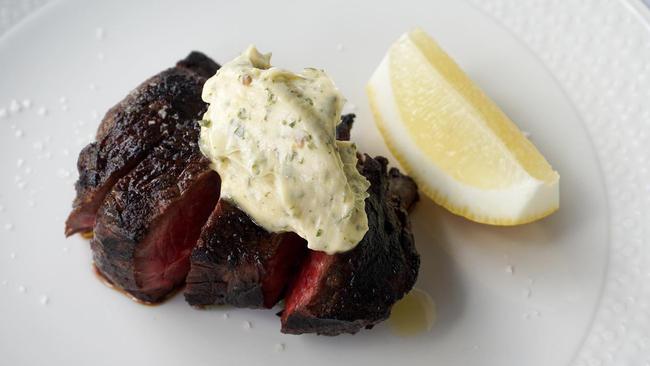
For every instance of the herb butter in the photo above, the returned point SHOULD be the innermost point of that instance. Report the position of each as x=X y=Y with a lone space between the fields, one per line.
x=270 y=134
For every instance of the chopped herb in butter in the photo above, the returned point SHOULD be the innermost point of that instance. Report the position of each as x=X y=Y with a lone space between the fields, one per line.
x=270 y=134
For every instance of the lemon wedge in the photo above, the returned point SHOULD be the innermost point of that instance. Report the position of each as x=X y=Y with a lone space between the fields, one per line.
x=461 y=149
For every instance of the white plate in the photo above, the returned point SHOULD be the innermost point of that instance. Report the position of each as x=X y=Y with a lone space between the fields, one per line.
x=574 y=73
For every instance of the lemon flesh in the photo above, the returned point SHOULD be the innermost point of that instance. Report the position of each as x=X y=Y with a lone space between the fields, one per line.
x=463 y=151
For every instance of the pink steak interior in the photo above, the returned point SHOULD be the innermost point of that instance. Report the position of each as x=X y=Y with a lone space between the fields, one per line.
x=282 y=266
x=306 y=283
x=162 y=260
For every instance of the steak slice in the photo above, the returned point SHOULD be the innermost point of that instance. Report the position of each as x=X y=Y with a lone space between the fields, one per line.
x=152 y=217
x=132 y=128
x=237 y=262
x=342 y=293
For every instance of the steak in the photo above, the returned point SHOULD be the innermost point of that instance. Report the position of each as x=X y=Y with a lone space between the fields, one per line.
x=132 y=128
x=342 y=293
x=152 y=201
x=236 y=262
x=152 y=217
x=402 y=190
x=152 y=189
x=239 y=263
x=344 y=127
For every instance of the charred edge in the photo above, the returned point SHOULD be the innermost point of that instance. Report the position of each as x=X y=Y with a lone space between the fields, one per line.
x=199 y=63
x=237 y=262
x=115 y=251
x=83 y=216
x=344 y=128
x=91 y=195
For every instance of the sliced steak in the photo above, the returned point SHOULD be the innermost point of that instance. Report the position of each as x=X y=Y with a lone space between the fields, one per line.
x=132 y=128
x=152 y=217
x=239 y=263
x=342 y=293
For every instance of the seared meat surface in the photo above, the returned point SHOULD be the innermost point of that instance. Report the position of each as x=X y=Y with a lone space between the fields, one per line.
x=144 y=186
x=152 y=217
x=345 y=292
x=239 y=263
x=343 y=129
x=132 y=128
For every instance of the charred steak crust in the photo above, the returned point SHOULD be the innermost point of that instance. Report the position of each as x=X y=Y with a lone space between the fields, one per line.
x=344 y=127
x=237 y=262
x=152 y=208
x=343 y=293
x=402 y=189
x=132 y=128
x=200 y=64
x=152 y=217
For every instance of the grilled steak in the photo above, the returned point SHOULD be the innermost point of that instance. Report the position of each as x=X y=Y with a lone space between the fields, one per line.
x=343 y=129
x=345 y=292
x=152 y=217
x=132 y=128
x=239 y=263
x=402 y=190
x=153 y=202
x=153 y=187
